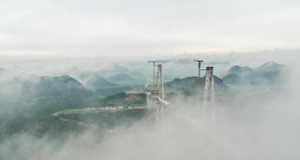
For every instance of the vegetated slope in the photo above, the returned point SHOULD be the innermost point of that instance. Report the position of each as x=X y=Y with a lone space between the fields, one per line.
x=137 y=75
x=109 y=91
x=182 y=91
x=188 y=85
x=100 y=85
x=121 y=99
x=27 y=98
x=95 y=80
x=100 y=82
x=240 y=70
x=259 y=84
x=110 y=119
x=268 y=74
x=120 y=77
x=28 y=101
x=57 y=93
x=232 y=78
x=108 y=80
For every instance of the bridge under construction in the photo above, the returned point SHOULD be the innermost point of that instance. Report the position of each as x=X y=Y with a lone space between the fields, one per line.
x=157 y=104
x=156 y=96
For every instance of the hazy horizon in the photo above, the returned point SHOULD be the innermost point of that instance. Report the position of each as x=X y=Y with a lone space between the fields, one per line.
x=118 y=28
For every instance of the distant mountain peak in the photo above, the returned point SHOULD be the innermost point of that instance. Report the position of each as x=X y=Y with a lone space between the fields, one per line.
x=120 y=77
x=269 y=64
x=267 y=73
x=240 y=70
x=119 y=68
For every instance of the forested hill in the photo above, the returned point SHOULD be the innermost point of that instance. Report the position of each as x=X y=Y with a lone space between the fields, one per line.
x=269 y=73
x=26 y=98
x=189 y=85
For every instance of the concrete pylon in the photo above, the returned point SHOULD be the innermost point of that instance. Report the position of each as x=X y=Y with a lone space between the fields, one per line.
x=209 y=108
x=160 y=91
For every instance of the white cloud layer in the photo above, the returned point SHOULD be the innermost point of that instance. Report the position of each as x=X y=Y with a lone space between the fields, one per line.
x=89 y=28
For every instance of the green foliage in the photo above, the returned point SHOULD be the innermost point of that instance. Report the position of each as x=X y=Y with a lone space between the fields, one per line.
x=188 y=86
x=38 y=126
x=267 y=74
x=232 y=78
x=101 y=82
x=109 y=119
x=49 y=95
x=112 y=91
x=120 y=77
x=119 y=100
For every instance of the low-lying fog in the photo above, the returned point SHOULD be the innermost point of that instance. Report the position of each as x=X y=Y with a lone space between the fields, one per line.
x=260 y=123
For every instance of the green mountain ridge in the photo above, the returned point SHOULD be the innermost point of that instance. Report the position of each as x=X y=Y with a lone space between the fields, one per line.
x=268 y=74
x=28 y=100
x=120 y=77
x=94 y=80
x=188 y=86
x=39 y=97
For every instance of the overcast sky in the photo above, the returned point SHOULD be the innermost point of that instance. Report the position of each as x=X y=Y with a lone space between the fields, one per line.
x=137 y=27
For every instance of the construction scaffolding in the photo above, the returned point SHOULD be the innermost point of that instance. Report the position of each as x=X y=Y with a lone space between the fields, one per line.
x=156 y=100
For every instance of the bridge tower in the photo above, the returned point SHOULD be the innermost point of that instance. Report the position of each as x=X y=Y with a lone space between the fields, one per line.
x=156 y=98
x=209 y=108
x=160 y=91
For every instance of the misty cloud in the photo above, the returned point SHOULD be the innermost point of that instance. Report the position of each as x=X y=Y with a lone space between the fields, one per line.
x=142 y=27
x=259 y=122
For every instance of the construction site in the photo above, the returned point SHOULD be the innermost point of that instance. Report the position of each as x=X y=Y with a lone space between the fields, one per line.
x=158 y=104
x=190 y=113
